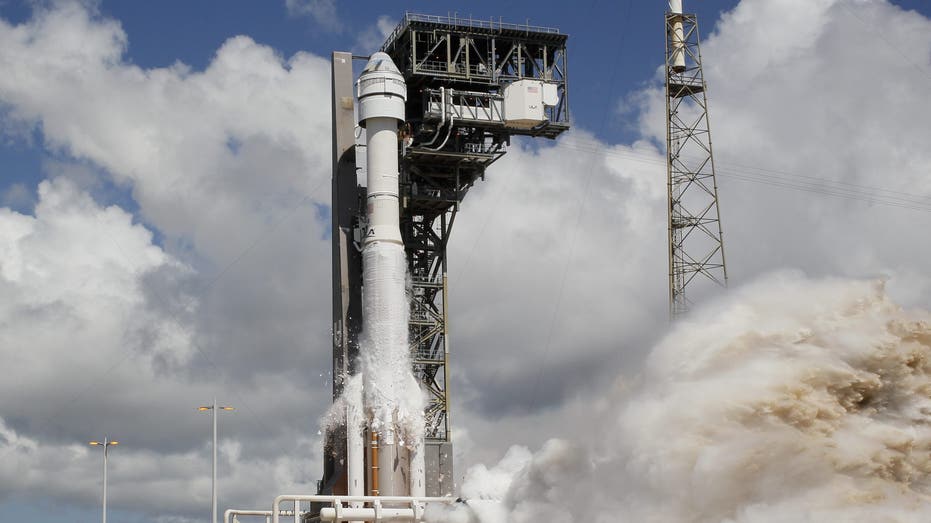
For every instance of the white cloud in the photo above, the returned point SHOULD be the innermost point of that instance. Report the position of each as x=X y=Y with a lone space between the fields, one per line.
x=230 y=165
x=370 y=39
x=98 y=339
x=169 y=131
x=323 y=12
x=17 y=196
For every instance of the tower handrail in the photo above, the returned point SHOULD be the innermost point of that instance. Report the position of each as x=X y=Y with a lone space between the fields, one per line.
x=472 y=23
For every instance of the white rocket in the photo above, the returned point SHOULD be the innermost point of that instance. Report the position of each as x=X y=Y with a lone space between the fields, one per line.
x=395 y=470
x=382 y=94
x=678 y=37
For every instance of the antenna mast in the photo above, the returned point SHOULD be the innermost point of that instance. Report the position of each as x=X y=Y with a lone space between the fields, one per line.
x=696 y=241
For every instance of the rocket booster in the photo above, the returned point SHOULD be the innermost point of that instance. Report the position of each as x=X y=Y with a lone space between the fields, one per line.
x=397 y=468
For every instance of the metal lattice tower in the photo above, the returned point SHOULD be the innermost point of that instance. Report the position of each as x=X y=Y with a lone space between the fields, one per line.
x=460 y=66
x=472 y=85
x=696 y=241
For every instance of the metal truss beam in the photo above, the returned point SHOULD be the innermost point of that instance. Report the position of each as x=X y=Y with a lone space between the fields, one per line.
x=482 y=55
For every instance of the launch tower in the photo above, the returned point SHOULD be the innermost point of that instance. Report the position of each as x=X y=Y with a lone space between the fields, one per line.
x=471 y=85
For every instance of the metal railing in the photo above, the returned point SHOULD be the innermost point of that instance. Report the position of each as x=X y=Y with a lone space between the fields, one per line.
x=232 y=515
x=359 y=508
x=472 y=23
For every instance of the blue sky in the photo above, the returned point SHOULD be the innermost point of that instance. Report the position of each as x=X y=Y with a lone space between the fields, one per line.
x=615 y=47
x=224 y=250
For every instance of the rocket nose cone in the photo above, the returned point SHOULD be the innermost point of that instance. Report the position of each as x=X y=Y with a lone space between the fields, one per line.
x=381 y=62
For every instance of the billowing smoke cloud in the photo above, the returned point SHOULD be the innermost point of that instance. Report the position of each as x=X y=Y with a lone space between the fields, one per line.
x=791 y=400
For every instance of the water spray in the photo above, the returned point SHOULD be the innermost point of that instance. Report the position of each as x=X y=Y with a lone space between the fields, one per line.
x=397 y=468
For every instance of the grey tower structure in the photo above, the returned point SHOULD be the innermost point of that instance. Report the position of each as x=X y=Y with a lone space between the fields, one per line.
x=472 y=85
x=696 y=241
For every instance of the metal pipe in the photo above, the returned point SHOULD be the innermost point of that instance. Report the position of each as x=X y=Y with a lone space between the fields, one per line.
x=442 y=112
x=340 y=514
x=233 y=513
x=439 y=127
x=449 y=132
x=414 y=504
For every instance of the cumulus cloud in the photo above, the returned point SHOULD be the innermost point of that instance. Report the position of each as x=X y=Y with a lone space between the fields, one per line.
x=547 y=216
x=100 y=340
x=115 y=329
x=229 y=164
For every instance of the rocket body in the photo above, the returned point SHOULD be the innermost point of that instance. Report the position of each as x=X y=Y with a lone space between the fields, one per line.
x=391 y=396
x=382 y=93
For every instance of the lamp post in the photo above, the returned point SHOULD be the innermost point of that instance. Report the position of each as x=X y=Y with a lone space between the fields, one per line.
x=213 y=495
x=106 y=444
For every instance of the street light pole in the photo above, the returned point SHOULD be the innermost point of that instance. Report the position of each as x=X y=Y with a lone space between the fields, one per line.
x=213 y=495
x=106 y=451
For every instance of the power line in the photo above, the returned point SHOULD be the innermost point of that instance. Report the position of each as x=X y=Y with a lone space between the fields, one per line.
x=788 y=180
x=574 y=239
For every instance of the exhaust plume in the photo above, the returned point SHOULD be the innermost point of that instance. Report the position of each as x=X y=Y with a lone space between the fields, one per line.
x=789 y=400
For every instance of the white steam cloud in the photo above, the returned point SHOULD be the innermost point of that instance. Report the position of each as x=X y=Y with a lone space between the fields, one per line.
x=790 y=400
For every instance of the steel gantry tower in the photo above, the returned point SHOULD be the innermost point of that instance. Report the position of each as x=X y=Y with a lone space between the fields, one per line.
x=696 y=241
x=472 y=85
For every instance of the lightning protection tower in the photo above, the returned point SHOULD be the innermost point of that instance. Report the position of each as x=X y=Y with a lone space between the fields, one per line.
x=696 y=241
x=472 y=85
